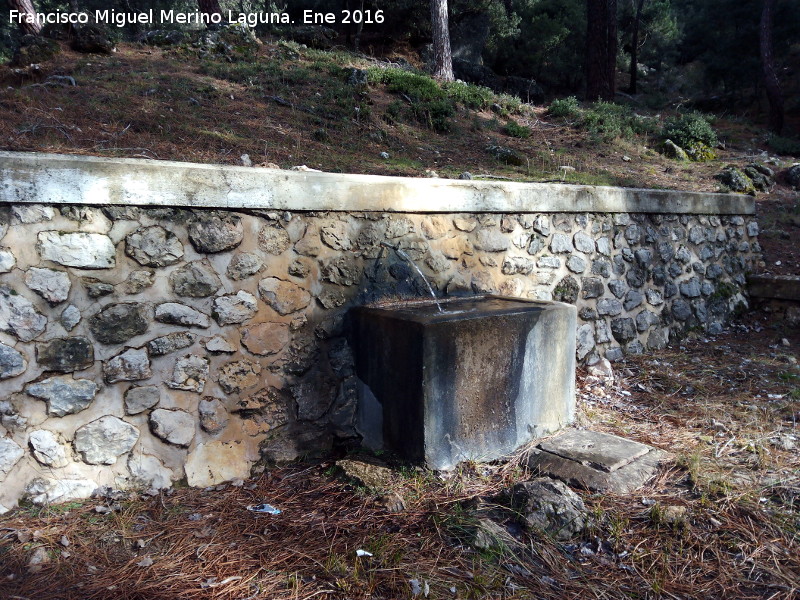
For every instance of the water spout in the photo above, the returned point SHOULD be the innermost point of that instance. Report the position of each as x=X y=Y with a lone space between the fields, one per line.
x=401 y=253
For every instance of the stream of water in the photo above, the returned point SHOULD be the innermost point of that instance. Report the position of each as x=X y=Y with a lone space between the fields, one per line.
x=401 y=253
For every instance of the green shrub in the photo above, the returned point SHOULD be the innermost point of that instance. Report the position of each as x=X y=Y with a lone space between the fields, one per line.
x=784 y=145
x=393 y=112
x=509 y=103
x=689 y=129
x=566 y=108
x=413 y=85
x=435 y=104
x=471 y=96
x=607 y=121
x=436 y=114
x=518 y=131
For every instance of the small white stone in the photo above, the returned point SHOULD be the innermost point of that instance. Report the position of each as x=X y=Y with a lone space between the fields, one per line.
x=19 y=317
x=47 y=450
x=7 y=261
x=173 y=426
x=10 y=453
x=131 y=365
x=70 y=317
x=32 y=213
x=219 y=344
x=51 y=285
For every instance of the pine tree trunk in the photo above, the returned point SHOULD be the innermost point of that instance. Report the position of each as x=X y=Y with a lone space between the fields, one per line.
x=442 y=57
x=601 y=49
x=27 y=7
x=771 y=83
x=209 y=7
x=612 y=44
x=637 y=20
x=595 y=49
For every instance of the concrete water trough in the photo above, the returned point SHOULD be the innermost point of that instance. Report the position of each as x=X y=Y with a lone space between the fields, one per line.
x=463 y=379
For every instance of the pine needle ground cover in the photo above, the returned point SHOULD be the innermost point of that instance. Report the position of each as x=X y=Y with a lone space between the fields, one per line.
x=720 y=522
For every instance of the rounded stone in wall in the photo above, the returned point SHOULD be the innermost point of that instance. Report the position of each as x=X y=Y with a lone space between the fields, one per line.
x=483 y=283
x=174 y=313
x=467 y=224
x=141 y=398
x=560 y=244
x=299 y=268
x=138 y=281
x=623 y=330
x=273 y=239
x=309 y=244
x=215 y=231
x=80 y=250
x=173 y=426
x=609 y=306
x=244 y=265
x=171 y=342
x=434 y=227
x=195 y=280
x=266 y=339
x=102 y=441
x=47 y=450
x=331 y=298
x=343 y=270
x=566 y=290
x=117 y=323
x=283 y=296
x=131 y=365
x=19 y=317
x=64 y=395
x=514 y=265
x=213 y=416
x=585 y=340
x=189 y=373
x=681 y=310
x=576 y=264
x=65 y=354
x=10 y=455
x=12 y=362
x=239 y=375
x=591 y=287
x=491 y=240
x=154 y=246
x=234 y=308
x=50 y=284
x=583 y=242
x=336 y=235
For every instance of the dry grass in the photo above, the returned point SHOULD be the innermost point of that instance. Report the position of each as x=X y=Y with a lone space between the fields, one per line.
x=168 y=104
x=719 y=406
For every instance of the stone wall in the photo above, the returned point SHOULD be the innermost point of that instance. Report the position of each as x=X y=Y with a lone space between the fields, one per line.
x=140 y=346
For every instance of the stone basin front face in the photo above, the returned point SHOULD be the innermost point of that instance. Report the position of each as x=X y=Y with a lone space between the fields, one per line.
x=473 y=382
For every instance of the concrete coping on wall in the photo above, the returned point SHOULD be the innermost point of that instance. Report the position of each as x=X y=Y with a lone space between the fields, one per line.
x=69 y=179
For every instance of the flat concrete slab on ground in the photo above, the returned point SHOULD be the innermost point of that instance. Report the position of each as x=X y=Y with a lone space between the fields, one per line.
x=597 y=461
